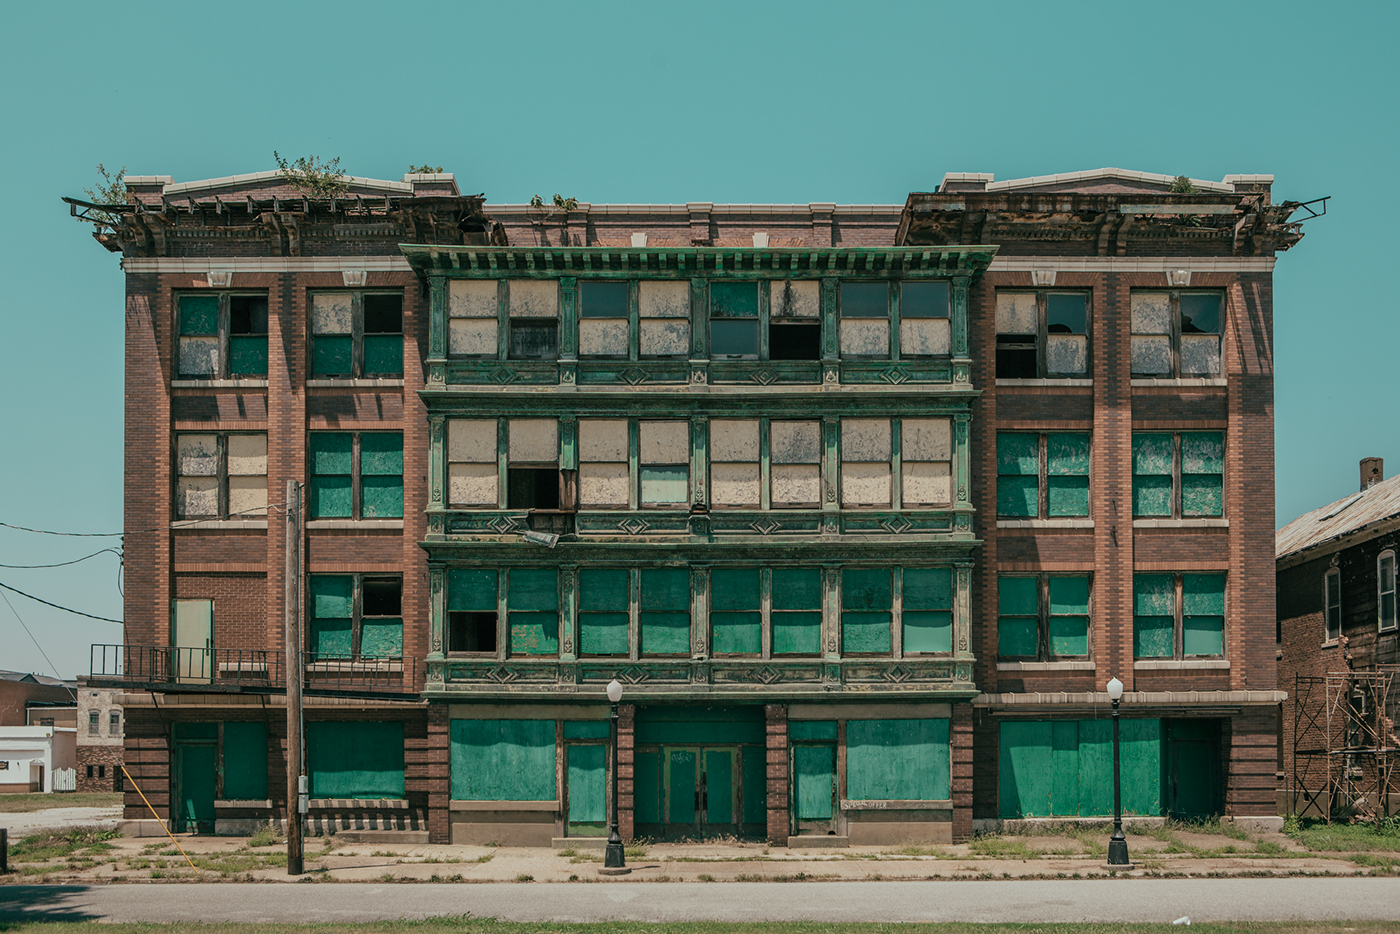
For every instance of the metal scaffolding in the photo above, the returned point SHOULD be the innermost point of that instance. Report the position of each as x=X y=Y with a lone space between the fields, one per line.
x=1344 y=746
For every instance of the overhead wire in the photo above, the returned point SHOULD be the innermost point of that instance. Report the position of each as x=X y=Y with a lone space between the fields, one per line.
x=63 y=564
x=188 y=523
x=104 y=619
x=52 y=666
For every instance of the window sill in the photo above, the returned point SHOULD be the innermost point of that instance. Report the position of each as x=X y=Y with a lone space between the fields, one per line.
x=1183 y=383
x=218 y=383
x=1179 y=664
x=361 y=524
x=222 y=524
x=1046 y=666
x=1045 y=523
x=1028 y=383
x=352 y=383
x=1181 y=523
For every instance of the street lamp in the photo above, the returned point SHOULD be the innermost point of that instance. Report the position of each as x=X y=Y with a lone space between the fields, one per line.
x=1117 y=844
x=614 y=857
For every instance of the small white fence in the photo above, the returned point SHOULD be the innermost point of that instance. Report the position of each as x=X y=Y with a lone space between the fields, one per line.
x=65 y=779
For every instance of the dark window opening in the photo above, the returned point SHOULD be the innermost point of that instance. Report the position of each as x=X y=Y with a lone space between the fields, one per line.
x=733 y=338
x=470 y=631
x=534 y=340
x=102 y=771
x=603 y=299
x=117 y=784
x=532 y=488
x=247 y=315
x=382 y=597
x=1200 y=314
x=89 y=771
x=865 y=300
x=383 y=314
x=1016 y=359
x=794 y=341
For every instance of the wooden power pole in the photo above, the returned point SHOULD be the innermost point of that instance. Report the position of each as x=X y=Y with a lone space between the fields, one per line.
x=296 y=778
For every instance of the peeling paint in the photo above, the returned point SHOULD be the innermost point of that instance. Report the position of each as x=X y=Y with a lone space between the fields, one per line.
x=197 y=496
x=796 y=442
x=926 y=439
x=734 y=484
x=603 y=484
x=865 y=336
x=664 y=337
x=665 y=443
x=472 y=484
x=1067 y=353
x=331 y=313
x=534 y=298
x=865 y=484
x=1152 y=355
x=471 y=441
x=602 y=440
x=865 y=439
x=602 y=337
x=472 y=298
x=1016 y=313
x=247 y=496
x=927 y=483
x=1200 y=354
x=796 y=299
x=199 y=356
x=472 y=336
x=925 y=337
x=797 y=484
x=734 y=440
x=533 y=440
x=664 y=299
x=198 y=455
x=1151 y=312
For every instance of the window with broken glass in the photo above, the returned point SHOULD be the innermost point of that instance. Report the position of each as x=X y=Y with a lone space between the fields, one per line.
x=1178 y=615
x=528 y=451
x=1176 y=334
x=1332 y=605
x=910 y=456
x=356 y=475
x=529 y=309
x=222 y=335
x=632 y=463
x=356 y=334
x=634 y=320
x=529 y=598
x=1043 y=617
x=778 y=320
x=765 y=463
x=1178 y=475
x=918 y=312
x=355 y=616
x=1042 y=334
x=1385 y=590
x=1042 y=475
x=220 y=475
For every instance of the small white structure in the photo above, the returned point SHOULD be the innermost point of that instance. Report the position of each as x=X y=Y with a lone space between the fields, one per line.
x=30 y=754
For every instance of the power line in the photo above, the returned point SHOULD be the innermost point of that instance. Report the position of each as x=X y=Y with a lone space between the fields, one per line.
x=188 y=523
x=62 y=564
x=104 y=619
x=52 y=666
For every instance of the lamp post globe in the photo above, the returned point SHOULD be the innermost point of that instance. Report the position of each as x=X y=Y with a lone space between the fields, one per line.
x=614 y=856
x=1117 y=843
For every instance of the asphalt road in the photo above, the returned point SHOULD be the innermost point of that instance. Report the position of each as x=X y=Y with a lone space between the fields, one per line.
x=1108 y=900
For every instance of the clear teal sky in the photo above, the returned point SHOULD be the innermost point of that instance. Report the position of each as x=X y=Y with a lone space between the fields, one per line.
x=657 y=102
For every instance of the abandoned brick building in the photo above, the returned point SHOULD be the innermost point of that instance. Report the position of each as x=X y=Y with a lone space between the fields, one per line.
x=863 y=504
x=1337 y=636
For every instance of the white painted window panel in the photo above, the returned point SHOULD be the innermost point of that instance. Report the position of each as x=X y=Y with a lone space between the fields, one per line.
x=534 y=298
x=665 y=442
x=1151 y=312
x=602 y=440
x=533 y=440
x=734 y=440
x=734 y=484
x=1067 y=354
x=664 y=337
x=865 y=439
x=199 y=356
x=471 y=441
x=1152 y=355
x=927 y=484
x=795 y=442
x=247 y=455
x=926 y=439
x=331 y=313
x=865 y=336
x=603 y=484
x=198 y=455
x=472 y=484
x=602 y=337
x=472 y=337
x=796 y=485
x=865 y=484
x=801 y=299
x=1200 y=355
x=664 y=299
x=925 y=337
x=472 y=298
x=1016 y=313
x=247 y=496
x=197 y=496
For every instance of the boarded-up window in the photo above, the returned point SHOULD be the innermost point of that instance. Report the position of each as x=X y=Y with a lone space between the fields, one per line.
x=472 y=610
x=897 y=760
x=356 y=759
x=1064 y=768
x=865 y=319
x=503 y=760
x=736 y=611
x=244 y=760
x=247 y=335
x=532 y=607
x=221 y=336
x=1042 y=334
x=602 y=453
x=603 y=611
x=1178 y=475
x=794 y=326
x=352 y=615
x=532 y=479
x=734 y=462
x=473 y=308
x=220 y=475
x=664 y=611
x=664 y=463
x=356 y=334
x=1178 y=615
x=1202 y=473
x=924 y=321
x=1176 y=333
x=796 y=456
x=602 y=326
x=867 y=601
x=664 y=319
x=926 y=452
x=534 y=319
x=1043 y=617
x=356 y=475
x=1044 y=476
x=927 y=610
x=865 y=462
x=797 y=611
x=199 y=337
x=473 y=473
x=381 y=475
x=734 y=319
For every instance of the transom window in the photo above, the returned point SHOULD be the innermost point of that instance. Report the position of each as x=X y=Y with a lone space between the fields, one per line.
x=1042 y=334
x=1042 y=475
x=910 y=319
x=356 y=334
x=1176 y=333
x=220 y=475
x=222 y=335
x=1043 y=617
x=1178 y=615
x=355 y=615
x=1385 y=590
x=1178 y=475
x=356 y=475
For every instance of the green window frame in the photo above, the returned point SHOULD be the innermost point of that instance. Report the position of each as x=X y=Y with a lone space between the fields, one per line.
x=915 y=602
x=926 y=611
x=355 y=758
x=1043 y=475
x=796 y=611
x=220 y=475
x=473 y=611
x=736 y=611
x=1179 y=616
x=734 y=320
x=356 y=334
x=356 y=475
x=526 y=597
x=781 y=606
x=663 y=611
x=1044 y=617
x=221 y=335
x=604 y=612
x=1176 y=333
x=354 y=616
x=1178 y=475
x=1043 y=334
x=532 y=611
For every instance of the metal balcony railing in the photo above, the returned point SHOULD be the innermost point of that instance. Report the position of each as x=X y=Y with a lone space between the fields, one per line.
x=175 y=668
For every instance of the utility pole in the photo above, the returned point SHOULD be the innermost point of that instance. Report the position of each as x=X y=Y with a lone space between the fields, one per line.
x=296 y=780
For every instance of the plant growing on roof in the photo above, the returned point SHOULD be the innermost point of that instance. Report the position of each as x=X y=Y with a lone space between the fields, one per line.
x=312 y=176
x=111 y=190
x=543 y=212
x=1181 y=185
x=425 y=169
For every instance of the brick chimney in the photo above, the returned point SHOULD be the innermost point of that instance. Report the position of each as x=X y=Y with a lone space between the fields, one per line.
x=1372 y=472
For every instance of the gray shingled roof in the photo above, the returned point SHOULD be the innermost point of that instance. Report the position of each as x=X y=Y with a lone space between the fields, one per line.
x=1334 y=520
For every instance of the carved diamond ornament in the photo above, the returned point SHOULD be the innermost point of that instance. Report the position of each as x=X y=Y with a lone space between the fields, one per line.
x=502 y=375
x=766 y=526
x=503 y=524
x=764 y=377
x=634 y=526
x=897 y=675
x=502 y=675
x=897 y=524
x=634 y=674
x=632 y=376
x=768 y=674
x=894 y=375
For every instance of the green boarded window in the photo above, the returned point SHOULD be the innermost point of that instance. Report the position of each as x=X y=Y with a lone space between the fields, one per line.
x=532 y=607
x=503 y=760
x=356 y=476
x=1064 y=768
x=927 y=615
x=1067 y=474
x=1018 y=474
x=1178 y=615
x=353 y=615
x=1202 y=473
x=897 y=760
x=222 y=335
x=664 y=611
x=867 y=600
x=1043 y=617
x=603 y=611
x=736 y=620
x=1153 y=458
x=472 y=610
x=796 y=615
x=734 y=319
x=1179 y=475
x=245 y=761
x=356 y=334
x=1056 y=463
x=355 y=759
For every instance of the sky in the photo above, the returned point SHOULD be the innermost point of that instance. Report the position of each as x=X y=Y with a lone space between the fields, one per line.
x=665 y=103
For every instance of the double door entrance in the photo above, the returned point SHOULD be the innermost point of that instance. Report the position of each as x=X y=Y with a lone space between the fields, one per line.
x=696 y=792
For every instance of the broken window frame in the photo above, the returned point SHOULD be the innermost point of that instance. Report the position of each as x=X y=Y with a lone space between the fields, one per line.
x=1179 y=614
x=766 y=466
x=1045 y=617
x=356 y=476
x=358 y=335
x=507 y=614
x=1385 y=591
x=1177 y=487
x=358 y=616
x=1040 y=341
x=1044 y=476
x=1331 y=606
x=502 y=465
x=896 y=464
x=221 y=477
x=1174 y=338
x=223 y=333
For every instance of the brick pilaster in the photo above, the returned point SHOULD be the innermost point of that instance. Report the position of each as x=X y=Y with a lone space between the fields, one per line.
x=777 y=772
x=626 y=748
x=960 y=750
x=439 y=774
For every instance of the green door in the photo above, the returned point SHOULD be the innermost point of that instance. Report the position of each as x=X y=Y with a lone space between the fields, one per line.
x=719 y=797
x=195 y=773
x=814 y=788
x=587 y=789
x=1193 y=769
x=682 y=785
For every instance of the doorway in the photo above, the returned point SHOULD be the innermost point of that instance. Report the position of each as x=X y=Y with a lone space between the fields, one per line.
x=193 y=642
x=1194 y=783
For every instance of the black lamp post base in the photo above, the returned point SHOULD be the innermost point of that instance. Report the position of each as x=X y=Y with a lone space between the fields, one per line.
x=1118 y=854
x=613 y=856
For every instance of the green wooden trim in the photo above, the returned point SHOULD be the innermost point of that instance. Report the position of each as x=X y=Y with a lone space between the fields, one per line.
x=568 y=612
x=893 y=315
x=830 y=299
x=437 y=600
x=502 y=460
x=896 y=465
x=437 y=317
x=502 y=319
x=916 y=402
x=699 y=319
x=962 y=461
x=699 y=493
x=568 y=318
x=437 y=462
x=960 y=316
x=568 y=443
